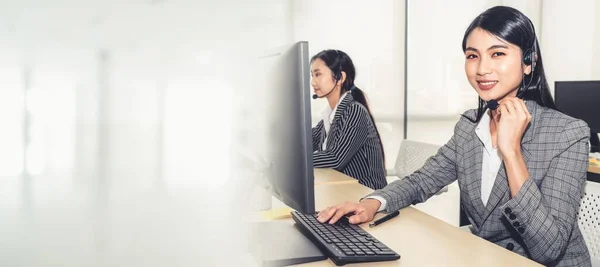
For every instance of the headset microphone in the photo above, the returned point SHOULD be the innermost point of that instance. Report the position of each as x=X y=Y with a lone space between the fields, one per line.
x=492 y=104
x=315 y=96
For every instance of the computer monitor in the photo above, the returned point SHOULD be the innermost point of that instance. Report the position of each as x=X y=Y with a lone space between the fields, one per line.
x=581 y=99
x=283 y=88
x=286 y=91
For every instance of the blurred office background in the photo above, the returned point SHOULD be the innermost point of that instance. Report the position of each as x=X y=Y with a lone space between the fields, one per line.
x=105 y=100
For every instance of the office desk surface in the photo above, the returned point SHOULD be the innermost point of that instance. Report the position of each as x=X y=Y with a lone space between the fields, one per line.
x=594 y=166
x=420 y=239
x=330 y=176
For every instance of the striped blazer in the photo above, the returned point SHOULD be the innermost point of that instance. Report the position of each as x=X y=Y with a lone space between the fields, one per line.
x=540 y=222
x=353 y=146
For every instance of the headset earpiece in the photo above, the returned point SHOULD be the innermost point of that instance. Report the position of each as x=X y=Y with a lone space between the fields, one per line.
x=337 y=76
x=528 y=58
x=529 y=55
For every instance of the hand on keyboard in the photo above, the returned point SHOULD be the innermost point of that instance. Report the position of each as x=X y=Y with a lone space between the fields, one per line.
x=343 y=243
x=359 y=212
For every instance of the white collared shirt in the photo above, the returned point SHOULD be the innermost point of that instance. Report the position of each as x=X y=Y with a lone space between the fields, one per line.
x=489 y=167
x=491 y=158
x=328 y=116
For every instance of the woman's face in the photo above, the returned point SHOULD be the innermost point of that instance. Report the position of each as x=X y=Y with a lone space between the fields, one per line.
x=494 y=67
x=322 y=79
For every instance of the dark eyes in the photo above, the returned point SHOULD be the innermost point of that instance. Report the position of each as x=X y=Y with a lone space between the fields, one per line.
x=495 y=54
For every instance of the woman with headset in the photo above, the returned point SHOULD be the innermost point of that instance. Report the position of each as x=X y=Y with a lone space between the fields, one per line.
x=346 y=139
x=521 y=165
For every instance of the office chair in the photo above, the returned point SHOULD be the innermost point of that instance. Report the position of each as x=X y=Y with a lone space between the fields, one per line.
x=589 y=220
x=411 y=157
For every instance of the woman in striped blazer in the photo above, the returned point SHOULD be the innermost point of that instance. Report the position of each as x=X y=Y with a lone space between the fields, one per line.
x=346 y=139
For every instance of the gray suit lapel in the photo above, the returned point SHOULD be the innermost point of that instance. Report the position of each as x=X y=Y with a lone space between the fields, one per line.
x=535 y=112
x=473 y=160
x=500 y=192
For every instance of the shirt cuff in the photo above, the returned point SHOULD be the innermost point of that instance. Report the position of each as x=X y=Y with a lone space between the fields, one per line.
x=382 y=200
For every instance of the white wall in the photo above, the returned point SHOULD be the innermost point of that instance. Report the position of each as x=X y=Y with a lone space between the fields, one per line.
x=173 y=51
x=438 y=91
x=156 y=115
x=570 y=40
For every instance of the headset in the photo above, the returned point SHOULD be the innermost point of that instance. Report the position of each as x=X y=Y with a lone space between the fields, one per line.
x=529 y=60
x=337 y=76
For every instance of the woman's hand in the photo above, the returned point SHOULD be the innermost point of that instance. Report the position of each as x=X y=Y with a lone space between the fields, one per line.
x=512 y=119
x=363 y=211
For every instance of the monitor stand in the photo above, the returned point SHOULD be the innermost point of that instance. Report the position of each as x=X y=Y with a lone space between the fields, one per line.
x=281 y=244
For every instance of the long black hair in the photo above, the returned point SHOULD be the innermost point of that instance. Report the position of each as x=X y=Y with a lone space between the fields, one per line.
x=339 y=61
x=513 y=26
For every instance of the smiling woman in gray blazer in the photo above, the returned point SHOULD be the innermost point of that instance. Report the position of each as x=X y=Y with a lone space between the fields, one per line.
x=520 y=166
x=346 y=139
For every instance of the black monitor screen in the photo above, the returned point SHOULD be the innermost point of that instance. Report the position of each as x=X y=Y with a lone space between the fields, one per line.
x=580 y=99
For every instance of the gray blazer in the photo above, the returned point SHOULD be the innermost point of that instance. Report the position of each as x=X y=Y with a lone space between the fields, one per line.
x=540 y=222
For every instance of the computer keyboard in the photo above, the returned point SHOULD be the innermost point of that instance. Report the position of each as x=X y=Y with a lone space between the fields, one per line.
x=343 y=242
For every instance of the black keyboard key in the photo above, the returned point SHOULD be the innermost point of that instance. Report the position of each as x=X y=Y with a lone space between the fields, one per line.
x=388 y=252
x=349 y=252
x=373 y=248
x=380 y=245
x=363 y=240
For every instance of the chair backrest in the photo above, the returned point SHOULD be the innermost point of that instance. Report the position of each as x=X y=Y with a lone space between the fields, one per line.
x=412 y=156
x=589 y=219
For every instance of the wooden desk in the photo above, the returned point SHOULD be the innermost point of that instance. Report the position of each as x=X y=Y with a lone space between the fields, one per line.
x=331 y=176
x=420 y=239
x=593 y=174
x=594 y=166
